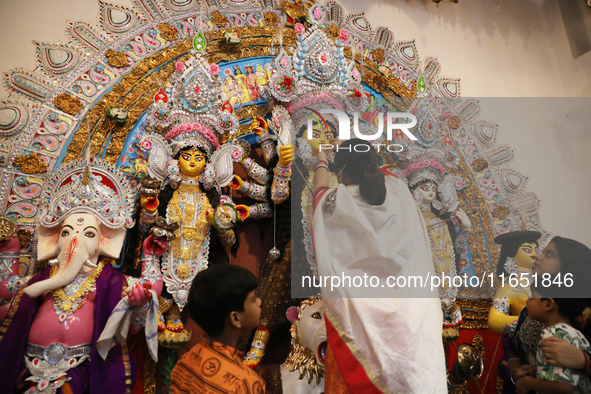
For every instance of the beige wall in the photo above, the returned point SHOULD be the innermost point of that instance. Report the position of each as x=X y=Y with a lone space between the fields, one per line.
x=499 y=48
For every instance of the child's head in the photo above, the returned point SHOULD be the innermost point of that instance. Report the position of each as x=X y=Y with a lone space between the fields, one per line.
x=542 y=307
x=224 y=292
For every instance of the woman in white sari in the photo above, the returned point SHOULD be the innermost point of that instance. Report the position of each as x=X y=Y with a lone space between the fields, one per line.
x=384 y=338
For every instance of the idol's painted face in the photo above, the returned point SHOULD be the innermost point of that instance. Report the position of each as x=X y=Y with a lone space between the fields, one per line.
x=526 y=255
x=428 y=191
x=321 y=136
x=191 y=163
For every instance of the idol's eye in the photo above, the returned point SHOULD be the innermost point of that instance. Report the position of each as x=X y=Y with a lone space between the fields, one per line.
x=316 y=315
x=65 y=233
x=199 y=159
x=90 y=234
x=186 y=157
x=527 y=250
x=315 y=135
x=328 y=137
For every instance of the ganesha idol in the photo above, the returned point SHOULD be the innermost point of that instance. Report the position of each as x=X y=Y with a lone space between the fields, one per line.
x=48 y=339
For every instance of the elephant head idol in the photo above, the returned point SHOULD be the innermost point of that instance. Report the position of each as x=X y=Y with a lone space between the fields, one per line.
x=58 y=317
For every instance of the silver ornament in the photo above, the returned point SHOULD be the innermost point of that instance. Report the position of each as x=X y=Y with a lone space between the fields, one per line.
x=274 y=254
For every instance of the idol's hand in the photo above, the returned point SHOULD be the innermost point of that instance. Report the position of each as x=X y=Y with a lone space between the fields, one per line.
x=243 y=211
x=286 y=154
x=150 y=204
x=209 y=217
x=463 y=219
x=236 y=183
x=139 y=295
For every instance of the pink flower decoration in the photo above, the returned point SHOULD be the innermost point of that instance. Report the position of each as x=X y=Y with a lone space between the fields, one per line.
x=299 y=28
x=189 y=127
x=446 y=113
x=414 y=110
x=236 y=154
x=344 y=36
x=423 y=164
x=317 y=13
x=180 y=66
x=214 y=69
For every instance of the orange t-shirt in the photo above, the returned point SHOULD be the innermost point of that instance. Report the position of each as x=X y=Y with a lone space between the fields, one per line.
x=213 y=368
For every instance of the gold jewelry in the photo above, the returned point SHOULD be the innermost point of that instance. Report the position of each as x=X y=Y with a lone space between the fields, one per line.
x=70 y=304
x=190 y=236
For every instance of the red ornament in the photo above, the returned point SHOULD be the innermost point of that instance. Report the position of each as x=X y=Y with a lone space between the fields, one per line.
x=161 y=97
x=227 y=107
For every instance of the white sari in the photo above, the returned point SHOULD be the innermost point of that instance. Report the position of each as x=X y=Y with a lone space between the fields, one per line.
x=397 y=339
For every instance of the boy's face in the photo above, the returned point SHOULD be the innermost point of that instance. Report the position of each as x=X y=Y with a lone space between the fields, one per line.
x=536 y=307
x=251 y=315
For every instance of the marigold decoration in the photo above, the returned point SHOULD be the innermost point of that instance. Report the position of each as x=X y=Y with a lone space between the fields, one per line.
x=168 y=32
x=116 y=59
x=501 y=212
x=378 y=55
x=68 y=104
x=271 y=18
x=219 y=19
x=24 y=238
x=333 y=31
x=454 y=122
x=479 y=164
x=30 y=164
x=7 y=228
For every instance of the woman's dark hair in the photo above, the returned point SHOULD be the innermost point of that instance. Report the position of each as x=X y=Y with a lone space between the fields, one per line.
x=218 y=291
x=574 y=258
x=357 y=159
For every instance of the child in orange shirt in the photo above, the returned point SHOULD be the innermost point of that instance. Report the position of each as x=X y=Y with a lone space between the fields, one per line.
x=223 y=302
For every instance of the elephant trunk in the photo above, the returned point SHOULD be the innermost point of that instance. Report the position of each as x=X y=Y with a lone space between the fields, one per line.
x=70 y=261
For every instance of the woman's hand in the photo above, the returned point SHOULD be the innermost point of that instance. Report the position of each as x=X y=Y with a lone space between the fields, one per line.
x=522 y=386
x=322 y=156
x=559 y=352
x=524 y=370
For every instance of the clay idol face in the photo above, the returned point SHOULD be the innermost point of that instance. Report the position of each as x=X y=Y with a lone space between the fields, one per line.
x=428 y=191
x=526 y=255
x=191 y=163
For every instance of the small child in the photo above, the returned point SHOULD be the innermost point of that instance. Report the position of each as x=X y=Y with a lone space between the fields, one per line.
x=557 y=315
x=223 y=302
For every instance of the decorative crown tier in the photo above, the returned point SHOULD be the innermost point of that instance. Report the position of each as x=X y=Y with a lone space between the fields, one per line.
x=426 y=164
x=318 y=66
x=192 y=95
x=97 y=188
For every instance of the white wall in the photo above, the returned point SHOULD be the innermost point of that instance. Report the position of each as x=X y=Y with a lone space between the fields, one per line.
x=499 y=48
